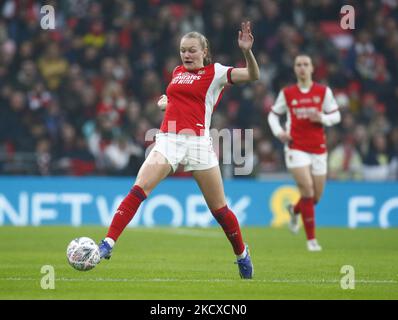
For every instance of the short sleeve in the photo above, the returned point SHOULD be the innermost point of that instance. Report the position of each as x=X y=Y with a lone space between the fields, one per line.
x=222 y=74
x=329 y=104
x=280 y=106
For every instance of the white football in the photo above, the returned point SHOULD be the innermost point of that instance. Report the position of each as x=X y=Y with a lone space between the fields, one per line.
x=83 y=254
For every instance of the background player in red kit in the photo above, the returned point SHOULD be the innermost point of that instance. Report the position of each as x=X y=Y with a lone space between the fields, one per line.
x=309 y=107
x=191 y=97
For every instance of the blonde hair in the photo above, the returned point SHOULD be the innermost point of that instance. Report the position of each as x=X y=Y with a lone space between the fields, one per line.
x=204 y=43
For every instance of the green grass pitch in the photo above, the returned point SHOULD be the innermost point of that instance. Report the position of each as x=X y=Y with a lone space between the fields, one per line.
x=196 y=264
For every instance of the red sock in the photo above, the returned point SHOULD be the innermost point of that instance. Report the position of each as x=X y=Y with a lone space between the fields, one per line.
x=308 y=216
x=297 y=208
x=230 y=225
x=126 y=212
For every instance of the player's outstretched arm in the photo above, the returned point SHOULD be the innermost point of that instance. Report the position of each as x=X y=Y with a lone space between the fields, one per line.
x=245 y=42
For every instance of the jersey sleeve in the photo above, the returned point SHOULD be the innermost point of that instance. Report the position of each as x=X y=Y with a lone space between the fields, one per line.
x=274 y=124
x=222 y=74
x=329 y=104
x=280 y=106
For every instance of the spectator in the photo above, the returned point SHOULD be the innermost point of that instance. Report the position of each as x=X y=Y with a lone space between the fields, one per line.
x=394 y=153
x=377 y=162
x=121 y=53
x=345 y=163
x=267 y=160
x=52 y=66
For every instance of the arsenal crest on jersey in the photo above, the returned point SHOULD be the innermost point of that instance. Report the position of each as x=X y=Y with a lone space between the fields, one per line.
x=316 y=99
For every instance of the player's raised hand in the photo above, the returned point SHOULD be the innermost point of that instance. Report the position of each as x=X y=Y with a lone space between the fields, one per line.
x=245 y=38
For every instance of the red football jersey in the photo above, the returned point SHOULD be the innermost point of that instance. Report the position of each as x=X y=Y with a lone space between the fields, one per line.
x=306 y=135
x=192 y=96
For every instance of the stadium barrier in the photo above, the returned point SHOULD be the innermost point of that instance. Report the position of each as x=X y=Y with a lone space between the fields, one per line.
x=178 y=202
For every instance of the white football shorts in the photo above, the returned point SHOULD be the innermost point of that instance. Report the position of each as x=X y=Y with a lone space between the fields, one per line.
x=193 y=152
x=297 y=158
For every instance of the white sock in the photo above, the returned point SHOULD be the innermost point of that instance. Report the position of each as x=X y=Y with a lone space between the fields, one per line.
x=110 y=241
x=242 y=255
x=313 y=242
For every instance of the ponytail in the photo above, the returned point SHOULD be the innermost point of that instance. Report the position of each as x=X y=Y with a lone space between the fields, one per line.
x=207 y=59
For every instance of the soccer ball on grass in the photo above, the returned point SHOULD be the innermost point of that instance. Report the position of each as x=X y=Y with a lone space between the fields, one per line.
x=83 y=254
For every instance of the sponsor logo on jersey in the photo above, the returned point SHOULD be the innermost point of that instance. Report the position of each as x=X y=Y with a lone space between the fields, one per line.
x=305 y=100
x=303 y=113
x=185 y=78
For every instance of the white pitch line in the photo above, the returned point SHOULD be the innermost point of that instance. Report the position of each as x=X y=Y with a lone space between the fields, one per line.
x=298 y=281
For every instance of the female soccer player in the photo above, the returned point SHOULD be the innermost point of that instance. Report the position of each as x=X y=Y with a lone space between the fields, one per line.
x=309 y=107
x=191 y=97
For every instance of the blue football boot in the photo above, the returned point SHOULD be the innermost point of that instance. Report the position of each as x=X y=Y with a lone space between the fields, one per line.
x=245 y=265
x=105 y=250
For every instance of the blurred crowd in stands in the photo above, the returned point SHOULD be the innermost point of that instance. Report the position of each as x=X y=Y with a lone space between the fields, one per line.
x=80 y=99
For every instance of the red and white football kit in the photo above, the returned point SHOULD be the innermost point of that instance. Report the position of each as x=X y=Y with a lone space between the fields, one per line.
x=308 y=144
x=185 y=138
x=192 y=96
